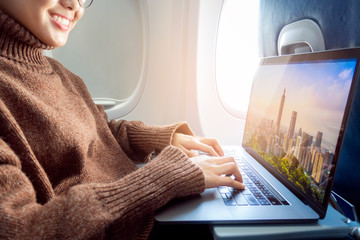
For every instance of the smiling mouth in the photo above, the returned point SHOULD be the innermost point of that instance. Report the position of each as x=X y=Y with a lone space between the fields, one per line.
x=61 y=22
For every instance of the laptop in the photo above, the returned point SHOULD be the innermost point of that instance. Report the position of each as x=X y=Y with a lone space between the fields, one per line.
x=296 y=119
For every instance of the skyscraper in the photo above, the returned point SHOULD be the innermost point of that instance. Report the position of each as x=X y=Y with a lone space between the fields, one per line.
x=277 y=129
x=318 y=167
x=297 y=146
x=300 y=132
x=292 y=125
x=306 y=140
x=318 y=139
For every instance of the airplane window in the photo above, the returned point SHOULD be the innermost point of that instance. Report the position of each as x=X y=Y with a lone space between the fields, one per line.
x=106 y=48
x=236 y=54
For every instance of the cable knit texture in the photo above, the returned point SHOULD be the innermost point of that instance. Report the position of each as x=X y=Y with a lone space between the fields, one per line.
x=65 y=171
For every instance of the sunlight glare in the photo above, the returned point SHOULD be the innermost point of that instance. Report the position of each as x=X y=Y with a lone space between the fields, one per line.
x=237 y=54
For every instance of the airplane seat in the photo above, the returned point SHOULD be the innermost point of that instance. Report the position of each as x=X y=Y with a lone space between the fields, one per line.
x=339 y=23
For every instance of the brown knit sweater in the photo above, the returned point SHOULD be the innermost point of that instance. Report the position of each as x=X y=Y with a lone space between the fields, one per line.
x=65 y=171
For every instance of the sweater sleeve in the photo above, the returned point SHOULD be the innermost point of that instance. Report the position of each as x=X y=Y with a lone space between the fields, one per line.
x=87 y=210
x=171 y=174
x=138 y=140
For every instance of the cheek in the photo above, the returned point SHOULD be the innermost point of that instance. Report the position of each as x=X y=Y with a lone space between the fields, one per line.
x=79 y=14
x=36 y=24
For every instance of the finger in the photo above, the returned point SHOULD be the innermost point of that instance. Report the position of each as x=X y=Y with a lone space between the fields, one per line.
x=223 y=160
x=192 y=154
x=229 y=169
x=214 y=144
x=205 y=148
x=189 y=153
x=228 y=181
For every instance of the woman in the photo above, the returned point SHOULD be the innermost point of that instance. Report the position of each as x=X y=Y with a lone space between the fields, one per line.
x=65 y=171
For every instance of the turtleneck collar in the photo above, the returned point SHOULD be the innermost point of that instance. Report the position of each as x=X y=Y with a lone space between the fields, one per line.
x=18 y=44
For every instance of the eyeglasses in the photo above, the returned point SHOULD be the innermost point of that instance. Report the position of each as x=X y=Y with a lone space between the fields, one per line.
x=85 y=3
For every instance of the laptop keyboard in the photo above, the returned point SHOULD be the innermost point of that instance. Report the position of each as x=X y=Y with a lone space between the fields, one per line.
x=257 y=192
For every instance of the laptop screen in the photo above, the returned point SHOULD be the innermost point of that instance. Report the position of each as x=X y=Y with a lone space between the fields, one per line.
x=295 y=120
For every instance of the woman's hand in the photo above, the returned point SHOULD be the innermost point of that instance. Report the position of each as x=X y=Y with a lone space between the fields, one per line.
x=219 y=171
x=188 y=143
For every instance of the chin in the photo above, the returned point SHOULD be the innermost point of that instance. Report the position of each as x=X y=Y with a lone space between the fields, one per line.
x=54 y=40
x=59 y=45
x=55 y=43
